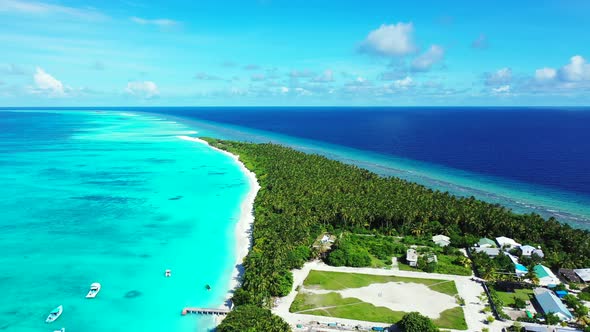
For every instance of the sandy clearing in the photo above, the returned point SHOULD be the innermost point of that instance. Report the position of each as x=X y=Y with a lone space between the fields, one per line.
x=395 y=295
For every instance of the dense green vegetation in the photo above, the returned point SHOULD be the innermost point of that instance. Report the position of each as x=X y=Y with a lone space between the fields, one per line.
x=415 y=322
x=374 y=250
x=251 y=318
x=363 y=250
x=301 y=195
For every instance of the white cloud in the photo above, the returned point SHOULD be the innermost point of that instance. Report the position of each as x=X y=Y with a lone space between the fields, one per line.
x=42 y=8
x=503 y=89
x=574 y=75
x=302 y=92
x=326 y=76
x=143 y=89
x=577 y=70
x=46 y=83
x=545 y=74
x=162 y=22
x=425 y=61
x=403 y=83
x=391 y=40
x=501 y=77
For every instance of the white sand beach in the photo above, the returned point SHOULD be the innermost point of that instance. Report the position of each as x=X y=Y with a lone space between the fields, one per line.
x=244 y=226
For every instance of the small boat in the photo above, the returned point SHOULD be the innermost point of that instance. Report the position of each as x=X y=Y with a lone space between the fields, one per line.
x=94 y=289
x=63 y=329
x=54 y=314
x=208 y=287
x=168 y=273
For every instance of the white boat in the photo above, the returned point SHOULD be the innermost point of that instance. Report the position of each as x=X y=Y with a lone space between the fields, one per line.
x=63 y=329
x=54 y=314
x=168 y=273
x=94 y=289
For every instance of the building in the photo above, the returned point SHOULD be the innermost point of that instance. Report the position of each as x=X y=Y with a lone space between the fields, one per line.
x=506 y=242
x=584 y=274
x=526 y=250
x=492 y=252
x=412 y=257
x=568 y=275
x=484 y=242
x=538 y=252
x=441 y=240
x=550 y=303
x=545 y=275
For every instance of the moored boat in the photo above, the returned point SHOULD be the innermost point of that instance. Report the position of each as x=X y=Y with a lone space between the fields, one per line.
x=54 y=314
x=94 y=289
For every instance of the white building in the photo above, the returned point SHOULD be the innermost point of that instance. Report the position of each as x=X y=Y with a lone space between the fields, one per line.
x=412 y=257
x=441 y=240
x=492 y=252
x=527 y=250
x=506 y=242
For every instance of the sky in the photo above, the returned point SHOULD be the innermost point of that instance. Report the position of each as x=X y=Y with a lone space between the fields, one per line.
x=294 y=53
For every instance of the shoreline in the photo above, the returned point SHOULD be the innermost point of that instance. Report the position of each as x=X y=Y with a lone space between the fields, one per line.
x=243 y=230
x=568 y=207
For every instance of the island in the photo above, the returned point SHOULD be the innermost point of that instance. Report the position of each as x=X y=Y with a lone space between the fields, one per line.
x=341 y=228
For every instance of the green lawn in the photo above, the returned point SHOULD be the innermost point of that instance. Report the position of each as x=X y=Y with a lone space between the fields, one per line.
x=446 y=265
x=508 y=298
x=377 y=263
x=453 y=318
x=340 y=280
x=334 y=305
x=405 y=267
x=306 y=301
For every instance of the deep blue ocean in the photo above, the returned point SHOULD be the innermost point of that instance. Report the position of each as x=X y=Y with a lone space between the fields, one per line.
x=541 y=146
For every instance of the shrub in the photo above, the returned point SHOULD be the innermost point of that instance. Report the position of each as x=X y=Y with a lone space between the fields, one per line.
x=252 y=318
x=415 y=322
x=519 y=303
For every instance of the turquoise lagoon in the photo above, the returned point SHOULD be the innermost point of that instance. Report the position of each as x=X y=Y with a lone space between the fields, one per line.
x=115 y=198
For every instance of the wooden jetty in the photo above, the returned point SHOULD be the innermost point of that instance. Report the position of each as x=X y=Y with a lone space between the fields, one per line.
x=205 y=311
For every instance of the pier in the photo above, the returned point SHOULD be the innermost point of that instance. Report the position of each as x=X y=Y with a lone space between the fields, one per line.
x=205 y=311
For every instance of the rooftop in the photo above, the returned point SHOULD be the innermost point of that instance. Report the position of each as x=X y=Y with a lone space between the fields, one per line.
x=484 y=241
x=584 y=274
x=549 y=302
